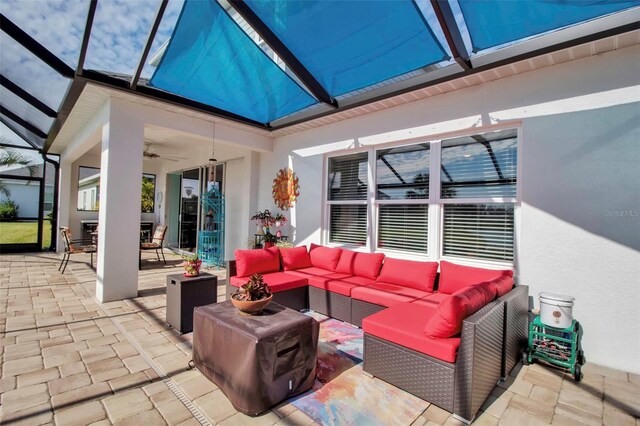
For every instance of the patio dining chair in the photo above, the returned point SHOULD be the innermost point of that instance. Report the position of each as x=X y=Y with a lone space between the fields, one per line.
x=155 y=244
x=72 y=246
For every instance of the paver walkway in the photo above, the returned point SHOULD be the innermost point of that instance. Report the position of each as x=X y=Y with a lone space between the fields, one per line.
x=68 y=360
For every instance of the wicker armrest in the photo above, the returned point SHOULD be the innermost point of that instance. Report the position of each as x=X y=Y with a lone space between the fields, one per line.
x=479 y=361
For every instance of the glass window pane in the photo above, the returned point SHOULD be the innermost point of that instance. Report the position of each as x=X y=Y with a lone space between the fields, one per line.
x=30 y=73
x=345 y=53
x=88 y=188
x=56 y=24
x=27 y=134
x=479 y=166
x=119 y=33
x=403 y=172
x=348 y=224
x=403 y=228
x=25 y=111
x=348 y=177
x=482 y=231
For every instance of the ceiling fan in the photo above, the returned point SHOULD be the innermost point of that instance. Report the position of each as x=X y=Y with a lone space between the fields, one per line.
x=151 y=152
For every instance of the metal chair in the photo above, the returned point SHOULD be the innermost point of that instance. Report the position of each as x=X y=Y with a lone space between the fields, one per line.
x=72 y=246
x=155 y=244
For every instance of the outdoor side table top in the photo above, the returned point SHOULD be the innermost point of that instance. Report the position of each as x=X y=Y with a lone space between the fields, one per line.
x=184 y=294
x=257 y=361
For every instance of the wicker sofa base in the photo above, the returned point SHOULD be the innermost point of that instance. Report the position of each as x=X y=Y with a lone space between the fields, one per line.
x=516 y=319
x=460 y=387
x=361 y=309
x=329 y=303
x=419 y=374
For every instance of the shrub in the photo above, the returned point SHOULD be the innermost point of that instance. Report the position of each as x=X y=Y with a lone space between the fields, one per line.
x=8 y=210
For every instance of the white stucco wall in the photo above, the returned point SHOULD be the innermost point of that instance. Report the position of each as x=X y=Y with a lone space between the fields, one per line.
x=580 y=156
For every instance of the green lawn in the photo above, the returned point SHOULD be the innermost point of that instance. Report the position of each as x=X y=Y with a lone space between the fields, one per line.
x=24 y=232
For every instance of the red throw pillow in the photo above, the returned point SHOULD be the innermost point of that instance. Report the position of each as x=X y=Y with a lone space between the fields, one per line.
x=324 y=257
x=259 y=261
x=295 y=258
x=409 y=273
x=454 y=277
x=451 y=312
x=368 y=265
x=347 y=260
x=502 y=285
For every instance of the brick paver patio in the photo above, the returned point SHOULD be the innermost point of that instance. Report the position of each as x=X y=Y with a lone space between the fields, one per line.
x=68 y=360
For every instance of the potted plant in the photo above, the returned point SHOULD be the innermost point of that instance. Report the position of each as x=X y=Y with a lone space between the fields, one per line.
x=270 y=240
x=280 y=220
x=253 y=296
x=191 y=264
x=264 y=219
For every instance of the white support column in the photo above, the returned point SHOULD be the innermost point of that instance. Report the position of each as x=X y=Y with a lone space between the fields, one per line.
x=120 y=191
x=251 y=186
x=64 y=198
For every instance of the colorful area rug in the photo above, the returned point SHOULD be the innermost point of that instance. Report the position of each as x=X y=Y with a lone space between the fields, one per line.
x=342 y=394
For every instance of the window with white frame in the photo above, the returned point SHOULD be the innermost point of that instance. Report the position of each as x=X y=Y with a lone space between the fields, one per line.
x=402 y=197
x=478 y=177
x=347 y=191
x=472 y=199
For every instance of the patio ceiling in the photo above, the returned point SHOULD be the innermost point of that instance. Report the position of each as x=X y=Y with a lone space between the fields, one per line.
x=266 y=63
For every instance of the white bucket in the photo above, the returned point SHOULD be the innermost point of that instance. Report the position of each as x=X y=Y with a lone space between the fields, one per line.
x=556 y=310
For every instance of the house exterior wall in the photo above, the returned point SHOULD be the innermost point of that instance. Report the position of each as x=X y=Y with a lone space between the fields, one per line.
x=26 y=195
x=578 y=221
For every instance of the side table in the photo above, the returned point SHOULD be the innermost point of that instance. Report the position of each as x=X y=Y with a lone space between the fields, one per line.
x=184 y=294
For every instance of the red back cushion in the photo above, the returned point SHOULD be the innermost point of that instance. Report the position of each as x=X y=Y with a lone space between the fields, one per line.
x=347 y=260
x=452 y=311
x=368 y=265
x=409 y=273
x=454 y=277
x=324 y=257
x=502 y=285
x=258 y=261
x=295 y=258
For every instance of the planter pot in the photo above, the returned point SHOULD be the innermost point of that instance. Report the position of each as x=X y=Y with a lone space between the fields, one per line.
x=279 y=233
x=251 y=307
x=192 y=268
x=269 y=244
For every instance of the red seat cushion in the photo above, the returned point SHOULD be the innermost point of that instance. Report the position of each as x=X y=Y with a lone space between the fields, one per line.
x=359 y=280
x=368 y=265
x=452 y=311
x=295 y=258
x=454 y=277
x=433 y=299
x=324 y=257
x=310 y=272
x=278 y=281
x=403 y=324
x=386 y=294
x=503 y=285
x=259 y=261
x=333 y=283
x=346 y=262
x=409 y=273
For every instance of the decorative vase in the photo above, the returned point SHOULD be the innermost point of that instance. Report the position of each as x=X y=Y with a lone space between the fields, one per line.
x=192 y=268
x=279 y=233
x=251 y=307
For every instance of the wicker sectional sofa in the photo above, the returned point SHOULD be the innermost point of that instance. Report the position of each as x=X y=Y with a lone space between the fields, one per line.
x=447 y=337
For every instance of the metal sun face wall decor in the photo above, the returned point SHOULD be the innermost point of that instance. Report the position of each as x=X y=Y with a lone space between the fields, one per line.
x=285 y=189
